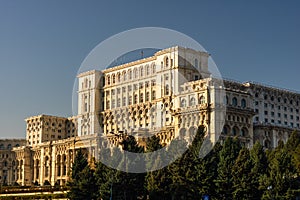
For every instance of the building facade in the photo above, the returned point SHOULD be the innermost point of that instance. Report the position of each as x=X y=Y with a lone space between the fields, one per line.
x=168 y=95
x=8 y=163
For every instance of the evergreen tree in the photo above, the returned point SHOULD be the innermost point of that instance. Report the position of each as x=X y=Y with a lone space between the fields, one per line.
x=83 y=183
x=242 y=177
x=227 y=156
x=157 y=181
x=259 y=169
x=130 y=185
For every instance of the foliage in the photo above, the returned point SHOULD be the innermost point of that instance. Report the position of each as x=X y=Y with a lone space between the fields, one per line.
x=228 y=171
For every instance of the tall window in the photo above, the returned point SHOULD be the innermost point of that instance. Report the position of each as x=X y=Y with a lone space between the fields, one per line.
x=183 y=103
x=153 y=95
x=243 y=103
x=167 y=90
x=193 y=101
x=202 y=100
x=167 y=62
x=113 y=78
x=135 y=72
x=129 y=74
x=153 y=68
x=147 y=70
x=234 y=101
x=141 y=71
x=135 y=99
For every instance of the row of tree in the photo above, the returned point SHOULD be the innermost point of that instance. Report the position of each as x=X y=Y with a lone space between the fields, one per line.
x=229 y=171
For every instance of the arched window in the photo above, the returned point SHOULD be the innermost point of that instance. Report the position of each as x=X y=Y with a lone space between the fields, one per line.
x=183 y=103
x=124 y=76
x=113 y=78
x=234 y=101
x=147 y=70
x=153 y=68
x=118 y=77
x=243 y=132
x=243 y=103
x=108 y=79
x=167 y=62
x=129 y=74
x=1 y=146
x=193 y=101
x=202 y=100
x=9 y=147
x=226 y=130
x=135 y=73
x=235 y=131
x=141 y=71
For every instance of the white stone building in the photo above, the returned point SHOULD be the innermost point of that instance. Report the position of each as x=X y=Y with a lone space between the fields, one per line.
x=168 y=94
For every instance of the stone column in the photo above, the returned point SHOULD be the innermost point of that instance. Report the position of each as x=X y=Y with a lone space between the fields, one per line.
x=42 y=174
x=53 y=165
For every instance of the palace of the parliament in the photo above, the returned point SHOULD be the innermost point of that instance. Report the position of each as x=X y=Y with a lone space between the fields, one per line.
x=168 y=94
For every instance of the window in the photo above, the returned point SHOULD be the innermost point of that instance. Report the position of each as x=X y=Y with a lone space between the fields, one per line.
x=202 y=100
x=129 y=74
x=113 y=104
x=266 y=112
x=147 y=70
x=243 y=103
x=234 y=101
x=129 y=100
x=124 y=101
x=124 y=76
x=153 y=95
x=113 y=78
x=279 y=115
x=135 y=99
x=183 y=103
x=141 y=71
x=107 y=104
x=167 y=90
x=147 y=96
x=167 y=62
x=193 y=101
x=266 y=105
x=135 y=73
x=108 y=80
x=153 y=68
x=141 y=98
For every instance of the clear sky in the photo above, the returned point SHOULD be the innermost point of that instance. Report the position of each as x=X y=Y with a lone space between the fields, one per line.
x=43 y=43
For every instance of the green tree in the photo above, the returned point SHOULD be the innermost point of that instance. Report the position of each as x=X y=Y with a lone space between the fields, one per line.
x=242 y=177
x=227 y=156
x=83 y=183
x=259 y=169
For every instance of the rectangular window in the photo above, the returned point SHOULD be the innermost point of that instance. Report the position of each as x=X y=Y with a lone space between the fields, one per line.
x=266 y=112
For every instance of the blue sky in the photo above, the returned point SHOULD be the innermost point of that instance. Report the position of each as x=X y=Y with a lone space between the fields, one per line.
x=43 y=43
